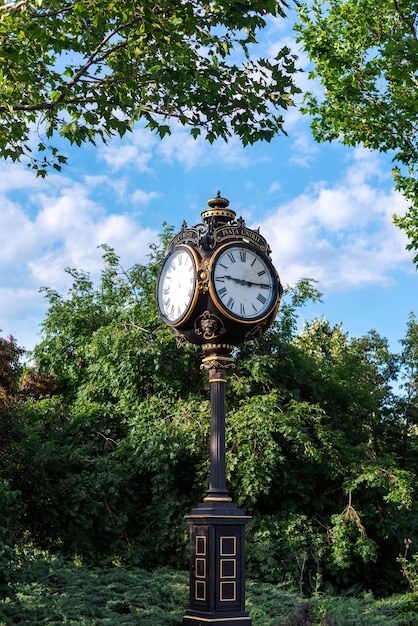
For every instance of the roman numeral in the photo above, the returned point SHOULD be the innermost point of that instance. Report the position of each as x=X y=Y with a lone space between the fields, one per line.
x=222 y=291
x=261 y=273
x=243 y=255
x=230 y=303
x=261 y=298
x=241 y=309
x=231 y=257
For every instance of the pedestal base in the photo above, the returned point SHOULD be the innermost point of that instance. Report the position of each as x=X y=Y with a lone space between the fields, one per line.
x=217 y=565
x=190 y=620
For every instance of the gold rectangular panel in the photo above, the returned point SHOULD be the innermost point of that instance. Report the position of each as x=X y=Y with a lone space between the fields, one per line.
x=200 y=568
x=200 y=590
x=228 y=546
x=228 y=591
x=200 y=545
x=228 y=568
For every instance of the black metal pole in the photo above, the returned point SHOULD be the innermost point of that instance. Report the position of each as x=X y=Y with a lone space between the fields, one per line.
x=217 y=526
x=217 y=377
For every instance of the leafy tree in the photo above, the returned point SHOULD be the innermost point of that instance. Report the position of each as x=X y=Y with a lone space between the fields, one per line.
x=321 y=451
x=87 y=70
x=10 y=370
x=365 y=56
x=119 y=433
x=10 y=510
x=314 y=455
x=107 y=344
x=10 y=367
x=407 y=407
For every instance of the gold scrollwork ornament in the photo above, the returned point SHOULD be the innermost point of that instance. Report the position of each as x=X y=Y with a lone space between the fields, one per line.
x=203 y=276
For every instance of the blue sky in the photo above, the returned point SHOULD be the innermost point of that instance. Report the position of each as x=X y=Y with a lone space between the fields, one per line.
x=325 y=210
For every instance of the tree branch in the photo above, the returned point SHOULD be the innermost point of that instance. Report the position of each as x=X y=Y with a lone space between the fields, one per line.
x=13 y=7
x=409 y=23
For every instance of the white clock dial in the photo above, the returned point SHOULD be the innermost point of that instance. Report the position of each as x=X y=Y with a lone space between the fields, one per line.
x=244 y=282
x=176 y=287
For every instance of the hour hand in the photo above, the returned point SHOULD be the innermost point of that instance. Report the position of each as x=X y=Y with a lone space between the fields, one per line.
x=241 y=281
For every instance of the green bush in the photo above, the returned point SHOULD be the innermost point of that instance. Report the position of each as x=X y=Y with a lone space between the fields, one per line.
x=9 y=510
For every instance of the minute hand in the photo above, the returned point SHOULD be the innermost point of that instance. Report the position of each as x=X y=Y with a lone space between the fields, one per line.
x=249 y=283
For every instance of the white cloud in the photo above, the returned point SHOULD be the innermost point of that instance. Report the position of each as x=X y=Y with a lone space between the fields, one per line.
x=47 y=227
x=275 y=186
x=140 y=196
x=340 y=234
x=304 y=148
x=135 y=151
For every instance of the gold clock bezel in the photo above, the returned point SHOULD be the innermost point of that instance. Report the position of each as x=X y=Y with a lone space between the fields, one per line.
x=192 y=304
x=275 y=300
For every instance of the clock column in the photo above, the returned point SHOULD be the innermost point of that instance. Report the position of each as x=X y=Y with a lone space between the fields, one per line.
x=216 y=365
x=217 y=525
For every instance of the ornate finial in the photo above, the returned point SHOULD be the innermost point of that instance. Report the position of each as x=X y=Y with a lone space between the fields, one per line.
x=218 y=210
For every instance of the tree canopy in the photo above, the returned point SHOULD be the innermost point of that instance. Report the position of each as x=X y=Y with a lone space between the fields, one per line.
x=110 y=440
x=90 y=69
x=365 y=54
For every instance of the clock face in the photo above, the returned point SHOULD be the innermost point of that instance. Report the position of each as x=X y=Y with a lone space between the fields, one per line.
x=176 y=289
x=244 y=282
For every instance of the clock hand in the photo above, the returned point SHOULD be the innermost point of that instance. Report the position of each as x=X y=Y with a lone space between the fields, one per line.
x=249 y=283
x=241 y=281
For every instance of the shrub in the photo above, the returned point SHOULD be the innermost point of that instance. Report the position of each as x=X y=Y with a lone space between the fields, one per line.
x=9 y=509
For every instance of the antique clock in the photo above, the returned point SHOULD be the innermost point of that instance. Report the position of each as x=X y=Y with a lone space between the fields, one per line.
x=217 y=283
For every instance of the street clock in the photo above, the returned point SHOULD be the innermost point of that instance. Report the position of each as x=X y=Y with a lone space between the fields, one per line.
x=217 y=284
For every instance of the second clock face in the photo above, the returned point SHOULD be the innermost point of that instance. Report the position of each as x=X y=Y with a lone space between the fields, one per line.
x=176 y=289
x=244 y=282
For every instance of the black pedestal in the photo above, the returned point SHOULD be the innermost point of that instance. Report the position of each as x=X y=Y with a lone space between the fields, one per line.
x=217 y=565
